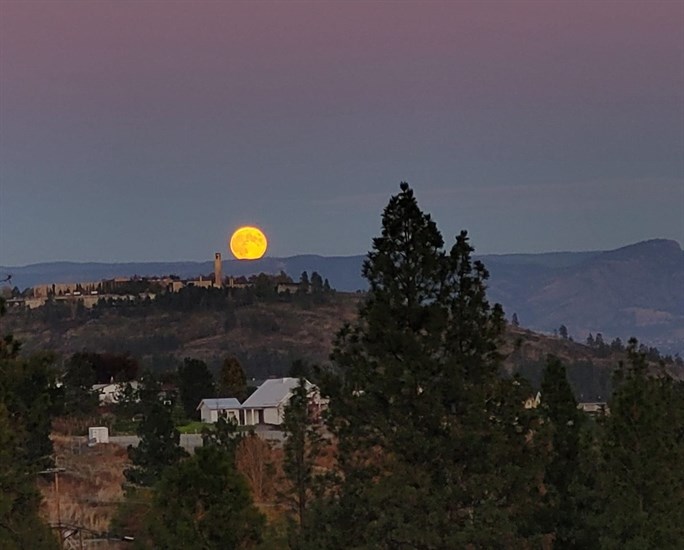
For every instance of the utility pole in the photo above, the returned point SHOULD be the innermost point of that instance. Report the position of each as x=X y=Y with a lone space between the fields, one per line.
x=56 y=472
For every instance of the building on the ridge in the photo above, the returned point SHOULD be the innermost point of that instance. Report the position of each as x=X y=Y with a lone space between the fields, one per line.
x=218 y=278
x=200 y=283
x=239 y=282
x=291 y=288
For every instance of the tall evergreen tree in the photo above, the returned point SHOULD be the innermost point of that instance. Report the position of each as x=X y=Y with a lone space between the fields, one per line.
x=304 y=285
x=316 y=283
x=204 y=503
x=159 y=445
x=27 y=405
x=642 y=452
x=422 y=419
x=195 y=383
x=232 y=381
x=301 y=448
x=223 y=434
x=77 y=383
x=560 y=515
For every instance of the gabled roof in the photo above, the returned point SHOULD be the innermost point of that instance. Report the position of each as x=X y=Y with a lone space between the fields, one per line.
x=219 y=404
x=271 y=393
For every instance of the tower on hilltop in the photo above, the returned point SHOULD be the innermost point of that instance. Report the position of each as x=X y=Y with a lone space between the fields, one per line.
x=218 y=280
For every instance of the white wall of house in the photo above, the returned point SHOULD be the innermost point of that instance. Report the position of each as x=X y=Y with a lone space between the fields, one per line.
x=208 y=415
x=212 y=415
x=272 y=416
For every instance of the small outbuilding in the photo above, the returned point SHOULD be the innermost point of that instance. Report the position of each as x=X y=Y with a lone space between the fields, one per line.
x=213 y=408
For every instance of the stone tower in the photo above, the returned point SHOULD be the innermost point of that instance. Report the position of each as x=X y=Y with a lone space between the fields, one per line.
x=218 y=278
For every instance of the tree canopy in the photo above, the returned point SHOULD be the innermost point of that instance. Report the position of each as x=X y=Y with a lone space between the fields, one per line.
x=27 y=406
x=422 y=418
x=203 y=503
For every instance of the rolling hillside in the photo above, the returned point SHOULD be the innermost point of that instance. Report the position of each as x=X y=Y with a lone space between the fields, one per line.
x=637 y=290
x=267 y=336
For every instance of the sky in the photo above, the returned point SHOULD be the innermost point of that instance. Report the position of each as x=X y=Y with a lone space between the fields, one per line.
x=149 y=130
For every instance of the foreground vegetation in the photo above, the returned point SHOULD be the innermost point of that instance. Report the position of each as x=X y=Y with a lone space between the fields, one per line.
x=429 y=444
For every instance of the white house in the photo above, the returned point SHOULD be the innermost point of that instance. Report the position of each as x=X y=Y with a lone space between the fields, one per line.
x=267 y=404
x=227 y=407
x=533 y=402
x=594 y=408
x=109 y=393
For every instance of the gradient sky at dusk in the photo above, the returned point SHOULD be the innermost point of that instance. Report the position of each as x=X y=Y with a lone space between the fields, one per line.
x=135 y=131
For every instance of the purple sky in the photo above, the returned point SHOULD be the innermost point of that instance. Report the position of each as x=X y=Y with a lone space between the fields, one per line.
x=149 y=130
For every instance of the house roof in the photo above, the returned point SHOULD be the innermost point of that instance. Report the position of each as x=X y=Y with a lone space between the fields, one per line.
x=271 y=393
x=220 y=403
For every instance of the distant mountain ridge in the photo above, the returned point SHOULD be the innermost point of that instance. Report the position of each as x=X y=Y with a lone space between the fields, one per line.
x=636 y=290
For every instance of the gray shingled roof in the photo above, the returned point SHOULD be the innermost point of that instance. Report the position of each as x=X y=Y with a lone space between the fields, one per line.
x=271 y=393
x=221 y=403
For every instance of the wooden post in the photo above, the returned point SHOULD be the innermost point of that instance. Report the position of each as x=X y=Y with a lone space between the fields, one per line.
x=59 y=515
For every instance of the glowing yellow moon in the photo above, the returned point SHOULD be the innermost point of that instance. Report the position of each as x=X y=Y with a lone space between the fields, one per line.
x=248 y=243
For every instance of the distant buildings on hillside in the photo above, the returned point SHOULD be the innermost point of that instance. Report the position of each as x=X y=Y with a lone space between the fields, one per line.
x=88 y=293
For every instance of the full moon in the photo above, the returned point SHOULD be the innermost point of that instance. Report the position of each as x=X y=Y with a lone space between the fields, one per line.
x=248 y=243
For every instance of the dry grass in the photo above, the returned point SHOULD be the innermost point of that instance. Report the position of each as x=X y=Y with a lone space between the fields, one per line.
x=90 y=488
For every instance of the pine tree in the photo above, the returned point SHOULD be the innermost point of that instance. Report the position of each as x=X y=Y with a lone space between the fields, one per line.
x=223 y=434
x=195 y=383
x=559 y=409
x=422 y=419
x=159 y=445
x=232 y=381
x=78 y=380
x=301 y=448
x=316 y=283
x=304 y=285
x=27 y=405
x=642 y=452
x=203 y=503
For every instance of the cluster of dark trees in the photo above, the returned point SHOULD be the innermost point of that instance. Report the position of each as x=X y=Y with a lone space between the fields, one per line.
x=196 y=382
x=434 y=448
x=604 y=349
x=191 y=382
x=28 y=403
